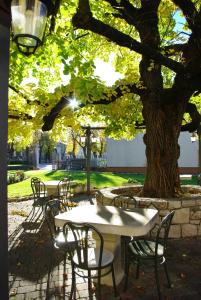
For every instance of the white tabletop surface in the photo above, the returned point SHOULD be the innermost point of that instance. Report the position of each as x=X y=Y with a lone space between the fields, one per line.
x=52 y=182
x=112 y=220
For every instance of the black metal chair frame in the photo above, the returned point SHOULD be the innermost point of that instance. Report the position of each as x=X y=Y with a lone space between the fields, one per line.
x=52 y=208
x=64 y=191
x=145 y=249
x=39 y=192
x=124 y=201
x=83 y=244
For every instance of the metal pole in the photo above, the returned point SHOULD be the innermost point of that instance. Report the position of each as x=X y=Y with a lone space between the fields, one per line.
x=88 y=161
x=199 y=152
x=5 y=19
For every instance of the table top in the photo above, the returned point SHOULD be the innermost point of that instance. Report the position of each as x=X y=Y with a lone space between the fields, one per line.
x=54 y=183
x=112 y=220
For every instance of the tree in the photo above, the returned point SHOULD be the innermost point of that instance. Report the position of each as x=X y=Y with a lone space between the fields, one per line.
x=161 y=68
x=163 y=106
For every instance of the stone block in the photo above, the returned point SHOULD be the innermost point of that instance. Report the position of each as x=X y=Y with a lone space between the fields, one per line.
x=188 y=203
x=198 y=202
x=197 y=222
x=181 y=216
x=163 y=212
x=175 y=231
x=195 y=214
x=189 y=230
x=173 y=204
x=199 y=230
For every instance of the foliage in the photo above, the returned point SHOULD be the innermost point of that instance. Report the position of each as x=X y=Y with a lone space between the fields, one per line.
x=159 y=61
x=15 y=176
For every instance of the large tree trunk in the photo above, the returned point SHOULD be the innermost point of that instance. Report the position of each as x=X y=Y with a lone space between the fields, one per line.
x=163 y=123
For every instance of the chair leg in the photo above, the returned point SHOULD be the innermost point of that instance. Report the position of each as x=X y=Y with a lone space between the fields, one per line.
x=99 y=284
x=127 y=265
x=157 y=279
x=89 y=282
x=167 y=275
x=64 y=274
x=73 y=285
x=114 y=282
x=138 y=269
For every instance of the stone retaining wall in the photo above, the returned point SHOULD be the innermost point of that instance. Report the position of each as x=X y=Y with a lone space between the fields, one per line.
x=187 y=218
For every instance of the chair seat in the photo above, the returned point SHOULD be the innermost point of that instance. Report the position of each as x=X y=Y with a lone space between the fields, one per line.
x=145 y=249
x=93 y=258
x=60 y=240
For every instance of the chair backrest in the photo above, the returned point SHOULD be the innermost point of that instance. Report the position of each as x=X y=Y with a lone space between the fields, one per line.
x=83 y=233
x=64 y=188
x=125 y=201
x=53 y=208
x=38 y=188
x=163 y=231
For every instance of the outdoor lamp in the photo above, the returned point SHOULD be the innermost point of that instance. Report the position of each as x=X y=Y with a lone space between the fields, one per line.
x=194 y=137
x=29 y=19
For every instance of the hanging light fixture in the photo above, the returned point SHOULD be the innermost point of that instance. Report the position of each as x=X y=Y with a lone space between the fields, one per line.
x=29 y=19
x=194 y=137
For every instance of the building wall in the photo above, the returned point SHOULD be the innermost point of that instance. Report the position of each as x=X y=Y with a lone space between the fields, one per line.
x=131 y=154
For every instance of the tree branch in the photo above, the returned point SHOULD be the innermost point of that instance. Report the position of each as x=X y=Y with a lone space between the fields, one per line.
x=195 y=117
x=26 y=98
x=86 y=21
x=118 y=92
x=126 y=11
x=174 y=49
x=19 y=116
x=54 y=113
x=189 y=11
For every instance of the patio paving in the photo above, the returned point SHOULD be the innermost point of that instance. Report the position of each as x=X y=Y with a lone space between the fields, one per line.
x=30 y=250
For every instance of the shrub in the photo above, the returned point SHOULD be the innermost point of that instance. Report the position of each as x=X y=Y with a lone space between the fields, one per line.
x=15 y=177
x=131 y=180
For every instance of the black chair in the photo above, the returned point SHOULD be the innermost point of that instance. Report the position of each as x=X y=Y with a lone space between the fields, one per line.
x=61 y=240
x=155 y=250
x=39 y=192
x=88 y=258
x=125 y=201
x=64 y=190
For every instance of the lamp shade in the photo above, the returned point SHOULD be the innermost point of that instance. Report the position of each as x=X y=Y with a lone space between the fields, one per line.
x=29 y=19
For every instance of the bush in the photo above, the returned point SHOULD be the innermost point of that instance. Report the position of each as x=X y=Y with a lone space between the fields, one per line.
x=15 y=177
x=131 y=180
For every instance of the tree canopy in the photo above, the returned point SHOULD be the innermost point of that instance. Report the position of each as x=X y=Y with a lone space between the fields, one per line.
x=63 y=67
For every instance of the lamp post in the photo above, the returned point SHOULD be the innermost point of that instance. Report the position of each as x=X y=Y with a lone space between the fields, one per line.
x=88 y=131
x=5 y=20
x=5 y=23
x=196 y=137
x=29 y=19
x=199 y=153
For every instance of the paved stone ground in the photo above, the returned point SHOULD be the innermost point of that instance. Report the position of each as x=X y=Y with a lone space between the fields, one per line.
x=30 y=253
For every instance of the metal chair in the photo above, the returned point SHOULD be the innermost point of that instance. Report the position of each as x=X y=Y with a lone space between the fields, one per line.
x=125 y=201
x=88 y=258
x=39 y=192
x=64 y=191
x=61 y=240
x=155 y=250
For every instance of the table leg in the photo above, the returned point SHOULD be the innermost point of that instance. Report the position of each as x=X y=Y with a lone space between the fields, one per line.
x=52 y=191
x=113 y=244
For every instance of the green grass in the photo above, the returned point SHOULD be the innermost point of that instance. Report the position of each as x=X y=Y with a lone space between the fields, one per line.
x=98 y=180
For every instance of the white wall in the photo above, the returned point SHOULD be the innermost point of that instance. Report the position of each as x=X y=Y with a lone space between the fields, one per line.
x=132 y=153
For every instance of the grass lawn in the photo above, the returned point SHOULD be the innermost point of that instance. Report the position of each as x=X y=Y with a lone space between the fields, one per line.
x=98 y=180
